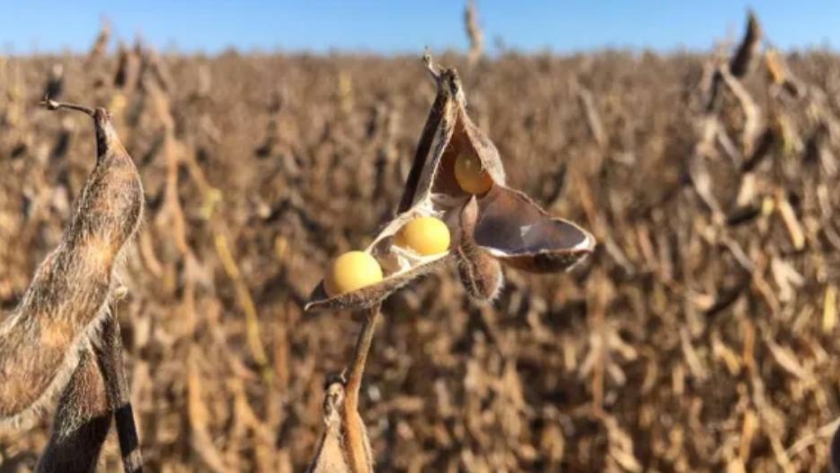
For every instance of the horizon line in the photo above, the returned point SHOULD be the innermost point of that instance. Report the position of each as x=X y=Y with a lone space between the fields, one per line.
x=492 y=53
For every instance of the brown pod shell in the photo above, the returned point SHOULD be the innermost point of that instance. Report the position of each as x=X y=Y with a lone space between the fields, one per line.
x=449 y=132
x=396 y=273
x=835 y=452
x=330 y=456
x=480 y=273
x=512 y=228
x=500 y=213
x=369 y=296
x=742 y=59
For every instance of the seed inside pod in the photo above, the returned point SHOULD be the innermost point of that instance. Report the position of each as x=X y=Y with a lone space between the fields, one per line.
x=471 y=175
x=351 y=271
x=424 y=235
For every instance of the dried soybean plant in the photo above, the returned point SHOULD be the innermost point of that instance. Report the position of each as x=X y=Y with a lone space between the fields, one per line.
x=474 y=33
x=100 y=45
x=768 y=146
x=455 y=205
x=64 y=336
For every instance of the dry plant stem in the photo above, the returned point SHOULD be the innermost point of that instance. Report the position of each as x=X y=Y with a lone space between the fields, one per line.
x=53 y=105
x=748 y=48
x=212 y=198
x=474 y=32
x=355 y=435
x=363 y=343
x=751 y=112
x=101 y=44
x=243 y=296
x=593 y=118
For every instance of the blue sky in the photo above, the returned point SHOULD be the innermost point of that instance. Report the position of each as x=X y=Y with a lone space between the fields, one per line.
x=408 y=26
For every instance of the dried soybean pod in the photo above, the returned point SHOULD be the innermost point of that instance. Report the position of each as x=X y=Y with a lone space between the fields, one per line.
x=329 y=455
x=481 y=273
x=517 y=232
x=455 y=162
x=355 y=437
x=741 y=61
x=97 y=391
x=55 y=82
x=69 y=294
x=490 y=224
x=82 y=420
x=99 y=47
x=835 y=452
x=344 y=445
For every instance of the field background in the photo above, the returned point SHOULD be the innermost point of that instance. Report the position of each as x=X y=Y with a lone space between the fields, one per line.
x=700 y=337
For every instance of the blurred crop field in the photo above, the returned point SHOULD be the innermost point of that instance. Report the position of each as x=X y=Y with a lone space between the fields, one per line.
x=702 y=336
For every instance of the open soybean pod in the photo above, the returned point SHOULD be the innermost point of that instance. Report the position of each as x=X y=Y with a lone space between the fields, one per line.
x=399 y=267
x=480 y=272
x=508 y=225
x=457 y=166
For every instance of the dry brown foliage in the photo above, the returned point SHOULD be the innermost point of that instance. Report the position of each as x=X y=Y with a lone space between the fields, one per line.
x=702 y=335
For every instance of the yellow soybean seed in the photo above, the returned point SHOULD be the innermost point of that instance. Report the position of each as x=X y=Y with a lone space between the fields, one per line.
x=471 y=175
x=424 y=235
x=352 y=271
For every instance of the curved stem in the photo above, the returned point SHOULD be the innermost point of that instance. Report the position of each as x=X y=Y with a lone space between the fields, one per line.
x=363 y=343
x=430 y=65
x=53 y=105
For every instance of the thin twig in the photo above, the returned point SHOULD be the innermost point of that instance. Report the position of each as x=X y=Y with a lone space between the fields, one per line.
x=53 y=105
x=363 y=343
x=474 y=32
x=433 y=69
x=356 y=440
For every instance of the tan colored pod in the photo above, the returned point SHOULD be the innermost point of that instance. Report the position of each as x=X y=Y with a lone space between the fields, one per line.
x=480 y=272
x=371 y=295
x=508 y=227
x=399 y=267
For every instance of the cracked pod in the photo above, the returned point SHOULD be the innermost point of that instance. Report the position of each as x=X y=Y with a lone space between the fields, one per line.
x=509 y=226
x=513 y=229
x=505 y=225
x=399 y=266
